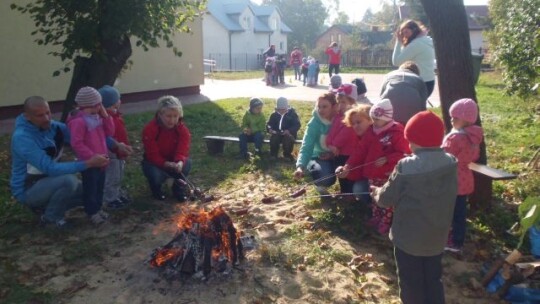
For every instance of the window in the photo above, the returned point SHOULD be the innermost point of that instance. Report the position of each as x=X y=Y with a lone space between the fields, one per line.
x=247 y=21
x=332 y=38
x=339 y=38
x=281 y=46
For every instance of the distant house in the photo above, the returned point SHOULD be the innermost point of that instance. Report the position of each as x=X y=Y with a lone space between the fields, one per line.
x=236 y=33
x=475 y=14
x=343 y=35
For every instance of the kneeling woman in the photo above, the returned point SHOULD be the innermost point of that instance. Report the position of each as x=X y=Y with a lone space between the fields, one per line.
x=166 y=142
x=314 y=156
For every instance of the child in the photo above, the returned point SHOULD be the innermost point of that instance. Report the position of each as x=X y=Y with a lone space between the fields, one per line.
x=268 y=70
x=112 y=194
x=304 y=70
x=382 y=146
x=464 y=143
x=312 y=72
x=335 y=82
x=281 y=64
x=361 y=90
x=89 y=125
x=253 y=126
x=422 y=190
x=341 y=139
x=283 y=126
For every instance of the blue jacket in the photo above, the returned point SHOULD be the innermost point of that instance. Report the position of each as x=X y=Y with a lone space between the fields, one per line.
x=35 y=152
x=314 y=142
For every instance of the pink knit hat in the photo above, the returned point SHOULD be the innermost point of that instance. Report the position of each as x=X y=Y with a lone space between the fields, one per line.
x=87 y=97
x=348 y=89
x=465 y=109
x=382 y=110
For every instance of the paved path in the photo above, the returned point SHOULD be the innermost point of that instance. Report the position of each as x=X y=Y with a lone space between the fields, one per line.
x=220 y=89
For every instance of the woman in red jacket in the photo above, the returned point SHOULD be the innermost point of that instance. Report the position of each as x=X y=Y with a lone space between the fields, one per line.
x=334 y=58
x=166 y=142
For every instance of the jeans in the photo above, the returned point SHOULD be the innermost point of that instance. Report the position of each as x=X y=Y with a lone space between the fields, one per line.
x=459 y=222
x=93 y=182
x=297 y=73
x=419 y=278
x=156 y=176
x=286 y=140
x=56 y=193
x=361 y=187
x=327 y=169
x=334 y=67
x=257 y=138
x=113 y=178
x=345 y=185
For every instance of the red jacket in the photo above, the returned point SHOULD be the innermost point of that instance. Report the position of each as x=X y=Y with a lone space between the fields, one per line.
x=120 y=132
x=296 y=57
x=161 y=144
x=465 y=146
x=341 y=136
x=334 y=55
x=390 y=143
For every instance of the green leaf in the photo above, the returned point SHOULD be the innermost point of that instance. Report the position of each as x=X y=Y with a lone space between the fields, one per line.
x=529 y=214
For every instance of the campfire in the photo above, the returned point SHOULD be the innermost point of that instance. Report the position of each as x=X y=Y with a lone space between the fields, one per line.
x=205 y=241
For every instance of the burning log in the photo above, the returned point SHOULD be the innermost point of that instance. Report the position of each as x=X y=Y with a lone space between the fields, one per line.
x=204 y=241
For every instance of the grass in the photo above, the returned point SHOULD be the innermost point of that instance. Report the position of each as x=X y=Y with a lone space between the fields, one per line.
x=512 y=137
x=289 y=72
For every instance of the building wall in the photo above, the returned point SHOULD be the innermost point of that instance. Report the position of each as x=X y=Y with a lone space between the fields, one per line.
x=478 y=41
x=27 y=67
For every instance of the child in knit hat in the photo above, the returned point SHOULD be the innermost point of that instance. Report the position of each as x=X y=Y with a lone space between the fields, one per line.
x=89 y=125
x=253 y=127
x=283 y=126
x=464 y=143
x=381 y=147
x=335 y=82
x=421 y=189
x=113 y=196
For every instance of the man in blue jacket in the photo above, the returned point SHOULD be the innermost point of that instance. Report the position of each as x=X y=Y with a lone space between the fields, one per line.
x=38 y=180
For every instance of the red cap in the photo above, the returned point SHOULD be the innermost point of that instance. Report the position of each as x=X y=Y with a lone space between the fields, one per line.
x=425 y=129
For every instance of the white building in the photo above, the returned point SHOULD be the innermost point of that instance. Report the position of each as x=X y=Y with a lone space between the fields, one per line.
x=237 y=32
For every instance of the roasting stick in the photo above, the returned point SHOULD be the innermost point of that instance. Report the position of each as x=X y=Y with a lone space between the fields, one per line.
x=324 y=195
x=302 y=190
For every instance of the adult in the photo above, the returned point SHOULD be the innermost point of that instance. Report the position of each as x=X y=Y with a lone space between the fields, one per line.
x=270 y=51
x=406 y=90
x=296 y=61
x=334 y=58
x=166 y=141
x=314 y=155
x=413 y=43
x=38 y=180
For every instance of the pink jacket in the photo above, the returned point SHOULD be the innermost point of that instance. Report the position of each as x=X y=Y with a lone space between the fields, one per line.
x=88 y=134
x=341 y=136
x=464 y=144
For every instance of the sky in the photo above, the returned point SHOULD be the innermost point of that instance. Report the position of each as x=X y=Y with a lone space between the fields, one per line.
x=356 y=8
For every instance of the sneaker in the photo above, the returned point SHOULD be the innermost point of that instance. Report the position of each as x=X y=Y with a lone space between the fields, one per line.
x=61 y=224
x=97 y=219
x=116 y=205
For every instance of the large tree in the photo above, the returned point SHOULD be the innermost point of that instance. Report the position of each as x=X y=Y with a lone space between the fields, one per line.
x=94 y=36
x=304 y=17
x=450 y=32
x=515 y=44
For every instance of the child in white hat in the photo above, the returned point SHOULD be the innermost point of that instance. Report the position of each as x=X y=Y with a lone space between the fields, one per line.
x=283 y=126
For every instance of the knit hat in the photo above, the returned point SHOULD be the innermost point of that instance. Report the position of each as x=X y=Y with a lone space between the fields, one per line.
x=348 y=89
x=87 y=97
x=382 y=110
x=254 y=102
x=465 y=109
x=109 y=95
x=425 y=129
x=335 y=81
x=282 y=103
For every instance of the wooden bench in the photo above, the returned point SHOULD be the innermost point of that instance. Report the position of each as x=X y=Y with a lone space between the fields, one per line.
x=214 y=144
x=483 y=184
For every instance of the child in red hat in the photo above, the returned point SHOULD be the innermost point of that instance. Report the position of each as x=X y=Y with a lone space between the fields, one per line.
x=464 y=143
x=422 y=190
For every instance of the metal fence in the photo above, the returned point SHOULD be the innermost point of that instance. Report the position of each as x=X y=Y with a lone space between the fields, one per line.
x=236 y=61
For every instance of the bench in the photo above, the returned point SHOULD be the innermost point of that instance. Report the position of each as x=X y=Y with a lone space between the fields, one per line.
x=483 y=184
x=214 y=144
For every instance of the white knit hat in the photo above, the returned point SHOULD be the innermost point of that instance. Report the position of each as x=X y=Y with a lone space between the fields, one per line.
x=87 y=97
x=382 y=110
x=282 y=103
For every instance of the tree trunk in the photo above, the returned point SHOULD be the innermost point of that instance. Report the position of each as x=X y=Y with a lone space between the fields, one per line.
x=450 y=32
x=98 y=70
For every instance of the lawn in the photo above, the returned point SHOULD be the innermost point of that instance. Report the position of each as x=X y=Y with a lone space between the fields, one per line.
x=303 y=252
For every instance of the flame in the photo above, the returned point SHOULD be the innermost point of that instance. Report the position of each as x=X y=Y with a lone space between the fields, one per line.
x=165 y=255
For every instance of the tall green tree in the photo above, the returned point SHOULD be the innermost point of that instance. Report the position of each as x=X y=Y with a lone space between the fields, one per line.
x=515 y=44
x=304 y=17
x=95 y=37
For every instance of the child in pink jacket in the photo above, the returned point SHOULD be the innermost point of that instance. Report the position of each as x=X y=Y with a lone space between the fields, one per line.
x=89 y=125
x=464 y=143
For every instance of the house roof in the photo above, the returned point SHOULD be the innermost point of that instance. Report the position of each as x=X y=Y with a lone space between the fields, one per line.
x=226 y=12
x=475 y=15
